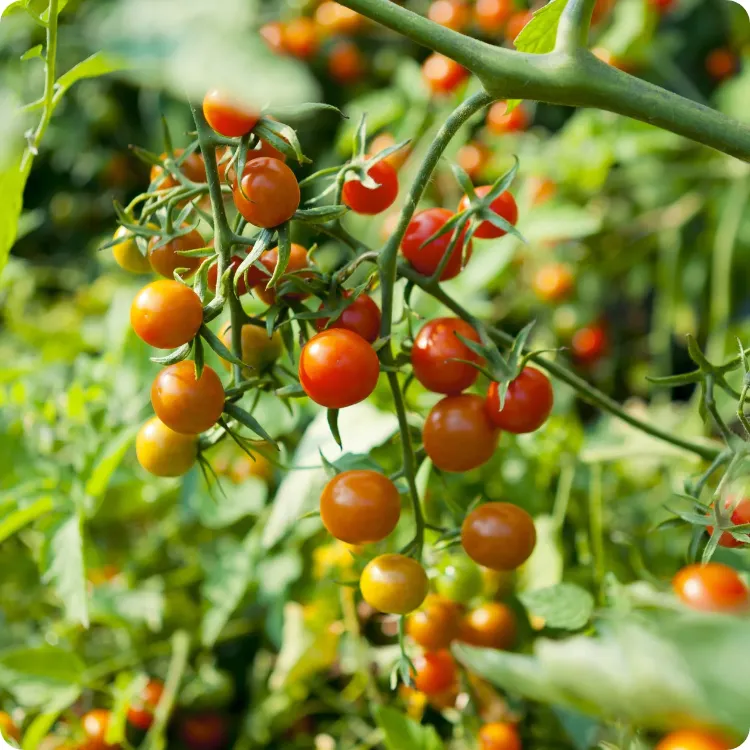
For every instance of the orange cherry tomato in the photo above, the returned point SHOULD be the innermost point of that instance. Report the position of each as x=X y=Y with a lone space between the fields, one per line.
x=589 y=344
x=516 y=24
x=443 y=75
x=127 y=255
x=272 y=34
x=346 y=63
x=541 y=190
x=338 y=368
x=739 y=508
x=227 y=116
x=141 y=711
x=362 y=316
x=504 y=206
x=166 y=314
x=492 y=15
x=694 y=739
x=528 y=402
x=193 y=167
x=721 y=64
x=458 y=435
x=500 y=536
x=164 y=452
x=553 y=282
x=394 y=584
x=473 y=158
x=334 y=18
x=499 y=736
x=453 y=14
x=253 y=275
x=300 y=38
x=360 y=506
x=434 y=626
x=184 y=404
x=711 y=588
x=500 y=121
x=205 y=731
x=386 y=140
x=258 y=351
x=436 y=672
x=372 y=201
x=491 y=625
x=8 y=727
x=268 y=194
x=95 y=724
x=297 y=262
x=165 y=259
x=435 y=350
x=265 y=149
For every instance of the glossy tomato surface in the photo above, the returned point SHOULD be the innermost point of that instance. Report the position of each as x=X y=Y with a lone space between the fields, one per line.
x=127 y=255
x=362 y=316
x=394 y=584
x=165 y=258
x=268 y=194
x=436 y=672
x=372 y=201
x=694 y=739
x=166 y=314
x=427 y=259
x=504 y=206
x=164 y=452
x=713 y=587
x=528 y=402
x=258 y=351
x=499 y=736
x=227 y=116
x=435 y=625
x=490 y=625
x=499 y=536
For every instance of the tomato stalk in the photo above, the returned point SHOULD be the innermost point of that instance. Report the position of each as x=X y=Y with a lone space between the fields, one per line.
x=573 y=29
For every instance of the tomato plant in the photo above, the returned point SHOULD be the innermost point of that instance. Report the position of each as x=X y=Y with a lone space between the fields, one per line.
x=371 y=201
x=268 y=193
x=500 y=536
x=713 y=587
x=436 y=624
x=527 y=405
x=163 y=452
x=166 y=314
x=226 y=116
x=426 y=256
x=394 y=584
x=362 y=317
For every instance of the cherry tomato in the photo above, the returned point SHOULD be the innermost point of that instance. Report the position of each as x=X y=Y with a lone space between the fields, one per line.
x=8 y=727
x=386 y=140
x=740 y=513
x=193 y=167
x=711 y=588
x=500 y=121
x=258 y=351
x=473 y=158
x=184 y=404
x=434 y=626
x=127 y=255
x=435 y=672
x=492 y=625
x=95 y=724
x=165 y=259
x=372 y=201
x=492 y=15
x=166 y=314
x=453 y=14
x=338 y=368
x=500 y=536
x=553 y=282
x=694 y=739
x=721 y=64
x=459 y=579
x=504 y=206
x=436 y=347
x=272 y=34
x=268 y=194
x=244 y=467
x=427 y=259
x=141 y=711
x=333 y=18
x=589 y=344
x=602 y=8
x=394 y=584
x=360 y=506
x=528 y=402
x=227 y=116
x=105 y=574
x=254 y=275
x=516 y=24
x=608 y=57
x=265 y=149
x=499 y=736
x=443 y=75
x=346 y=64
x=300 y=38
x=458 y=436
x=206 y=731
x=541 y=189
x=164 y=452
x=362 y=316
x=297 y=261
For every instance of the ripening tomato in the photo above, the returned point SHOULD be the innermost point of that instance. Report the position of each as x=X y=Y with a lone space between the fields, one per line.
x=473 y=158
x=528 y=402
x=333 y=18
x=453 y=14
x=386 y=140
x=492 y=15
x=427 y=259
x=272 y=34
x=360 y=506
x=227 y=116
x=662 y=6
x=244 y=467
x=436 y=347
x=338 y=368
x=491 y=625
x=268 y=194
x=206 y=731
x=541 y=189
x=394 y=584
x=516 y=24
x=602 y=9
x=589 y=344
x=721 y=64
x=372 y=201
x=553 y=282
x=346 y=64
x=141 y=711
x=297 y=262
x=258 y=351
x=739 y=508
x=265 y=149
x=458 y=435
x=499 y=536
x=165 y=259
x=8 y=727
x=434 y=626
x=694 y=739
x=504 y=206
x=711 y=588
x=105 y=574
x=95 y=724
x=300 y=38
x=459 y=579
x=362 y=316
x=184 y=404
x=499 y=736
x=164 y=452
x=253 y=275
x=500 y=121
x=443 y=75
x=166 y=314
x=127 y=255
x=436 y=672
x=193 y=167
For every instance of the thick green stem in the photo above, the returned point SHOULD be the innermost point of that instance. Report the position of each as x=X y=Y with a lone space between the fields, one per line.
x=573 y=29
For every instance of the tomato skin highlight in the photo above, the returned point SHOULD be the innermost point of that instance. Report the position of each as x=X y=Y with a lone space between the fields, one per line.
x=206 y=731
x=127 y=255
x=711 y=588
x=499 y=536
x=443 y=75
x=362 y=316
x=360 y=506
x=298 y=260
x=492 y=15
x=394 y=584
x=528 y=402
x=227 y=117
x=346 y=64
x=473 y=158
x=491 y=625
x=721 y=64
x=268 y=193
x=434 y=626
x=504 y=206
x=184 y=404
x=166 y=314
x=95 y=724
x=141 y=711
x=435 y=346
x=589 y=344
x=373 y=201
x=300 y=38
x=453 y=14
x=499 y=736
x=740 y=514
x=338 y=368
x=258 y=351
x=333 y=18
x=694 y=739
x=164 y=452
x=427 y=259
x=165 y=260
x=436 y=672
x=459 y=579
x=501 y=122
x=553 y=282
x=458 y=436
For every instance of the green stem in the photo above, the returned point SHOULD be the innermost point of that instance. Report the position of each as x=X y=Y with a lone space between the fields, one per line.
x=664 y=307
x=573 y=29
x=596 y=521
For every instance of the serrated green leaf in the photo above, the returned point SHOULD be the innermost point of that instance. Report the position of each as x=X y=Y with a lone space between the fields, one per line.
x=564 y=606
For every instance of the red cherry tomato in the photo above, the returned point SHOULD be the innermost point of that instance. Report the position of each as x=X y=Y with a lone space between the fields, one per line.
x=739 y=508
x=711 y=588
x=662 y=6
x=397 y=159
x=268 y=194
x=553 y=282
x=721 y=64
x=499 y=536
x=492 y=15
x=254 y=276
x=504 y=206
x=141 y=711
x=436 y=672
x=206 y=731
x=427 y=259
x=434 y=626
x=164 y=452
x=193 y=167
x=436 y=347
x=298 y=261
x=166 y=314
x=372 y=201
x=346 y=64
x=95 y=724
x=499 y=736
x=694 y=739
x=516 y=24
x=360 y=506
x=333 y=18
x=394 y=584
x=226 y=116
x=362 y=316
x=491 y=625
x=300 y=38
x=338 y=368
x=453 y=14
x=500 y=121
x=443 y=75
x=528 y=402
x=184 y=404
x=165 y=259
x=458 y=435
x=589 y=344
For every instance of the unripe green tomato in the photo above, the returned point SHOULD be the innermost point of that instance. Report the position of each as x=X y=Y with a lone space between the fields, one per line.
x=258 y=351
x=459 y=579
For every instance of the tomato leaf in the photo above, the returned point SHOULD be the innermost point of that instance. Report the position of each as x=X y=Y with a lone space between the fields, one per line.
x=538 y=36
x=24 y=516
x=399 y=731
x=94 y=66
x=564 y=606
x=109 y=460
x=42 y=724
x=12 y=183
x=333 y=424
x=320 y=215
x=247 y=419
